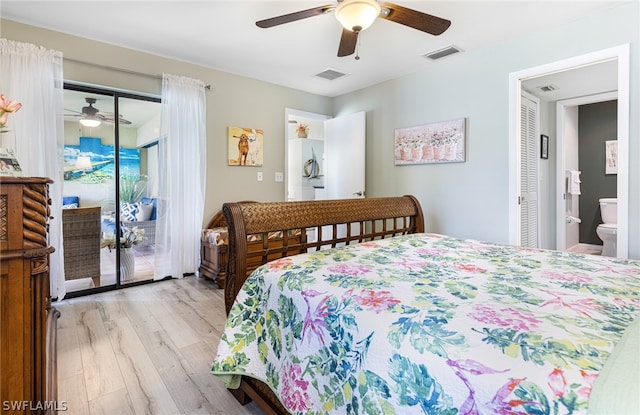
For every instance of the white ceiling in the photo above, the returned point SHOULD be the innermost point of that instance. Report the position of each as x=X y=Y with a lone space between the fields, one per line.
x=223 y=35
x=135 y=111
x=583 y=81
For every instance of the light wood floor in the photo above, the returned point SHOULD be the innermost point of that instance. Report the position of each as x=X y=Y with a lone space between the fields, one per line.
x=144 y=350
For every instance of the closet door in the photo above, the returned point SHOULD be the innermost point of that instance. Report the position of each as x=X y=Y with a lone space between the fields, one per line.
x=529 y=158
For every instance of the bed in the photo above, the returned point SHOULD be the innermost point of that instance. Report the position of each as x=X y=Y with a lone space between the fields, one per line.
x=390 y=319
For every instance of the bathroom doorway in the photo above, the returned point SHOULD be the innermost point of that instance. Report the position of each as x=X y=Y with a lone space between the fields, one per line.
x=580 y=150
x=556 y=182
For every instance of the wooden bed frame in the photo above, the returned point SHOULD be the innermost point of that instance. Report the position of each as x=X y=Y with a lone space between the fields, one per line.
x=260 y=232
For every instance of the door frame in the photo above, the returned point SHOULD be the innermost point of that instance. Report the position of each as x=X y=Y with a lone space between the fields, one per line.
x=289 y=114
x=619 y=53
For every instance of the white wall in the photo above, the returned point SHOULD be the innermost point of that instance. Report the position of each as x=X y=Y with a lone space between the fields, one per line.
x=471 y=199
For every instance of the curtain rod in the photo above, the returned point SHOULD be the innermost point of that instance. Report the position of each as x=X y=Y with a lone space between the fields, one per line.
x=127 y=71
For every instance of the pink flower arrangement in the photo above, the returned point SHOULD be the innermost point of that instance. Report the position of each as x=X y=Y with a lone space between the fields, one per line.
x=7 y=107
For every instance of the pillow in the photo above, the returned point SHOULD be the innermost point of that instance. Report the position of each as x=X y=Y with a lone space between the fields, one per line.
x=146 y=210
x=135 y=212
x=69 y=200
x=70 y=206
x=216 y=236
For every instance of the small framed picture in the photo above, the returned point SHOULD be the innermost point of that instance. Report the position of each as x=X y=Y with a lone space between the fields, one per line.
x=9 y=166
x=544 y=146
x=611 y=156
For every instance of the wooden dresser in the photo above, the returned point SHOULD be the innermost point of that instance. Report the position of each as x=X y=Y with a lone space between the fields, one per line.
x=27 y=320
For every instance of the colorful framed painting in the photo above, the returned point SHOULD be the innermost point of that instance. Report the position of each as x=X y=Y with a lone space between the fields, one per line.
x=245 y=146
x=92 y=162
x=439 y=142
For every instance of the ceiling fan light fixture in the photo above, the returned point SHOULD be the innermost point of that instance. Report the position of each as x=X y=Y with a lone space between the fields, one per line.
x=357 y=15
x=90 y=122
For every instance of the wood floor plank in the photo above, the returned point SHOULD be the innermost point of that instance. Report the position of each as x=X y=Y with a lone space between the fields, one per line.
x=115 y=402
x=189 y=314
x=190 y=293
x=174 y=326
x=147 y=392
x=69 y=360
x=144 y=349
x=112 y=306
x=73 y=392
x=200 y=355
x=138 y=312
x=176 y=374
x=101 y=372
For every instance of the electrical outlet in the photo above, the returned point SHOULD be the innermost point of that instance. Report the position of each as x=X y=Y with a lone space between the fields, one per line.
x=259 y=176
x=279 y=176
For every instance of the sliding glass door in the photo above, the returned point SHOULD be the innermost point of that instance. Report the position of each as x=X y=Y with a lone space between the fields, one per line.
x=110 y=185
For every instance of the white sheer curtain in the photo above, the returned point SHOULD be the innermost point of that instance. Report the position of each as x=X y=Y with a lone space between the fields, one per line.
x=32 y=75
x=182 y=161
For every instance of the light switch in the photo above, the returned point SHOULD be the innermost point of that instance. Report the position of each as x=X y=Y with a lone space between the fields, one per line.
x=259 y=176
x=279 y=176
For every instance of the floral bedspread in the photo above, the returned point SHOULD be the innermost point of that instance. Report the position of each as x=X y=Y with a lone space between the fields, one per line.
x=430 y=324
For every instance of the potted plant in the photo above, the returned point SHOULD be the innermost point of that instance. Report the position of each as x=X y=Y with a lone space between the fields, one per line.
x=128 y=238
x=132 y=188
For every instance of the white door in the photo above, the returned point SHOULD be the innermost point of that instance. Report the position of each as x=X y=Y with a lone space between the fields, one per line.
x=345 y=156
x=529 y=154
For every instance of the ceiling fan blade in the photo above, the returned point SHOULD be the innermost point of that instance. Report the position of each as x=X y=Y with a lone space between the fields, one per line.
x=110 y=118
x=292 y=17
x=72 y=113
x=348 y=43
x=415 y=19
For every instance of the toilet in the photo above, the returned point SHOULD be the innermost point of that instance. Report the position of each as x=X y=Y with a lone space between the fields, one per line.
x=608 y=230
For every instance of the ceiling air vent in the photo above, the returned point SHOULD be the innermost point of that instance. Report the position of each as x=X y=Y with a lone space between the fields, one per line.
x=330 y=74
x=441 y=53
x=548 y=88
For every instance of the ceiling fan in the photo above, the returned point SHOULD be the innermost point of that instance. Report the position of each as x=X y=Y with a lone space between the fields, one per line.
x=92 y=116
x=357 y=15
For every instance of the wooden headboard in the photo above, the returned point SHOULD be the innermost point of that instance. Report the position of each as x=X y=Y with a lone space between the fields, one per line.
x=260 y=232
